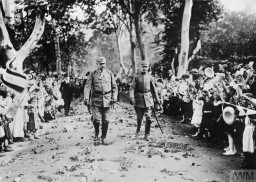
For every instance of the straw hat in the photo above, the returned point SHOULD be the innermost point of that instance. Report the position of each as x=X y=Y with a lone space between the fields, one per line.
x=209 y=72
x=11 y=111
x=229 y=115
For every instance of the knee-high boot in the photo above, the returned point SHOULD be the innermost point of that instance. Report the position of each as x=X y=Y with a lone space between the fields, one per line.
x=138 y=125
x=104 y=129
x=97 y=129
x=147 y=129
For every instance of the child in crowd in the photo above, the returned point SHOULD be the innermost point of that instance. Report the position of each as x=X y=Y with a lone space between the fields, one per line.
x=33 y=118
x=198 y=103
x=5 y=132
x=207 y=119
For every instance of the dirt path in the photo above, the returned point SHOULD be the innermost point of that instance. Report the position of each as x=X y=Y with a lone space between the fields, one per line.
x=65 y=152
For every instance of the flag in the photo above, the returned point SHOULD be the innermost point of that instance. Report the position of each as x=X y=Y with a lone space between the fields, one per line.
x=198 y=47
x=14 y=80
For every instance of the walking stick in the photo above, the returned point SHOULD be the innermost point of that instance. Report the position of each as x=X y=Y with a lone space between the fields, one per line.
x=154 y=112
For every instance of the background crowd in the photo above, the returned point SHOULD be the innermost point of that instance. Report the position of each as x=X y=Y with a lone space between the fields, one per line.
x=219 y=102
x=22 y=117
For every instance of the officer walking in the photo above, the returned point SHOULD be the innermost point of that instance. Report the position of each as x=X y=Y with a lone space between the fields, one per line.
x=101 y=89
x=142 y=94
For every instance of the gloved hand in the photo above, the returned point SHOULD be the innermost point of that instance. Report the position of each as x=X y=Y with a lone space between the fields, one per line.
x=131 y=101
x=86 y=102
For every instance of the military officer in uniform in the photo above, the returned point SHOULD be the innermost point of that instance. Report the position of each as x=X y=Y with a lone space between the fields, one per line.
x=143 y=94
x=101 y=90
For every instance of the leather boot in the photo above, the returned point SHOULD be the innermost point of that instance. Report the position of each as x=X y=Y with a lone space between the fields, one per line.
x=146 y=137
x=97 y=130
x=138 y=126
x=147 y=127
x=104 y=134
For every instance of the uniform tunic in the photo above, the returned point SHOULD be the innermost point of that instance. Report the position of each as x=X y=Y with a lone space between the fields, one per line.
x=102 y=86
x=100 y=89
x=143 y=90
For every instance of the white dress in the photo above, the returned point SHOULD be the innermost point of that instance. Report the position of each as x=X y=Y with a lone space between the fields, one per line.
x=19 y=120
x=198 y=112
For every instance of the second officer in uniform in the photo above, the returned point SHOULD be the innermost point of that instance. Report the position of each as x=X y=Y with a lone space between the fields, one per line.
x=143 y=95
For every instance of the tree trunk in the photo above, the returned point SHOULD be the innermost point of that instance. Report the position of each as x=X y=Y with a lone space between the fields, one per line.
x=173 y=68
x=132 y=48
x=119 y=73
x=183 y=56
x=57 y=52
x=57 y=49
x=134 y=67
x=9 y=8
x=139 y=38
x=14 y=59
x=120 y=52
x=7 y=51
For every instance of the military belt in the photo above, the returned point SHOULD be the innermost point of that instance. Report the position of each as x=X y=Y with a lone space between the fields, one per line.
x=101 y=92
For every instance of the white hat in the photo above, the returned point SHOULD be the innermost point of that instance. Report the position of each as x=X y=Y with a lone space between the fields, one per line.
x=229 y=115
x=209 y=72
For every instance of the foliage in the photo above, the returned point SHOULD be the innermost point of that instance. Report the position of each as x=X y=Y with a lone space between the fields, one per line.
x=203 y=13
x=134 y=11
x=234 y=37
x=63 y=21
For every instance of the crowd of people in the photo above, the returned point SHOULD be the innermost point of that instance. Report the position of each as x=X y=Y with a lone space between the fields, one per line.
x=23 y=115
x=219 y=102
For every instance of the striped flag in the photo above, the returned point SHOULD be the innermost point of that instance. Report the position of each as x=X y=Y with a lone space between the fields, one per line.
x=14 y=80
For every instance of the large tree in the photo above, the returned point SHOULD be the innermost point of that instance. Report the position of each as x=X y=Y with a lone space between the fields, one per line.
x=67 y=26
x=136 y=11
x=8 y=53
x=203 y=13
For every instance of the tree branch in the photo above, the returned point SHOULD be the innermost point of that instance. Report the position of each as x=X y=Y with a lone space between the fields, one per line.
x=122 y=3
x=31 y=42
x=138 y=5
x=5 y=42
x=125 y=23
